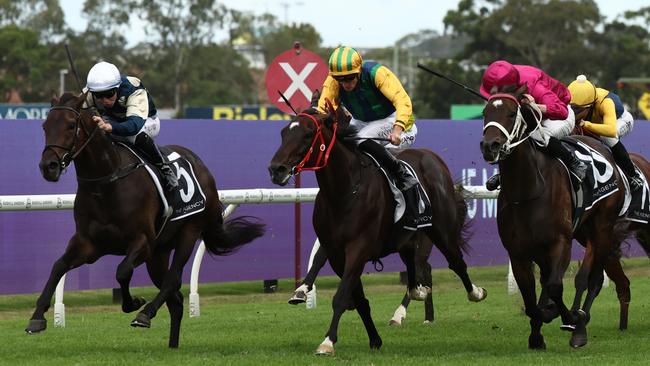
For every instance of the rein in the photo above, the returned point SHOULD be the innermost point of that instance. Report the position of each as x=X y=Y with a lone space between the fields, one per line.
x=70 y=153
x=324 y=150
x=515 y=137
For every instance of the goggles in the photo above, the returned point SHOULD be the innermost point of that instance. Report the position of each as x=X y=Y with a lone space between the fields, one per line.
x=106 y=94
x=345 y=78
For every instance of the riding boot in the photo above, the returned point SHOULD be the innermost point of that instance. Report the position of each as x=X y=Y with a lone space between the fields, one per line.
x=575 y=165
x=404 y=178
x=411 y=212
x=148 y=147
x=493 y=182
x=622 y=158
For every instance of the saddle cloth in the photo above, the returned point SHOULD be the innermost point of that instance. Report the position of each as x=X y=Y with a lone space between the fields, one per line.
x=601 y=182
x=423 y=204
x=188 y=199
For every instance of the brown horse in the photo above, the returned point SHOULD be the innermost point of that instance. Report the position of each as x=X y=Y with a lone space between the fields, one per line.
x=117 y=209
x=535 y=216
x=353 y=213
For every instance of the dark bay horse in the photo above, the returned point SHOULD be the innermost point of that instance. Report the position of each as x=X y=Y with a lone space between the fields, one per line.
x=353 y=213
x=116 y=212
x=535 y=216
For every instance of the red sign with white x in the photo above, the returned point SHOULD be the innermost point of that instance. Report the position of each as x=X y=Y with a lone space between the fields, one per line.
x=296 y=73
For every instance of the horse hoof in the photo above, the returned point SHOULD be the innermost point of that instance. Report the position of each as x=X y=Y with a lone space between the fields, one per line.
x=298 y=297
x=36 y=326
x=477 y=294
x=324 y=350
x=419 y=293
x=394 y=323
x=142 y=320
x=578 y=340
x=375 y=343
x=136 y=304
x=427 y=322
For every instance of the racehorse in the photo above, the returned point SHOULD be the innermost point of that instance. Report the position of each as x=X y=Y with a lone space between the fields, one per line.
x=354 y=209
x=535 y=216
x=117 y=211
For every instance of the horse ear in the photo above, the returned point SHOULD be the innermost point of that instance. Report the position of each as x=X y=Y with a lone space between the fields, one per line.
x=54 y=101
x=522 y=89
x=315 y=97
x=494 y=90
x=82 y=99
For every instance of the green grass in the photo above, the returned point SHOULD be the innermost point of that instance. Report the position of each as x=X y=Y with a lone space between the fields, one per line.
x=239 y=325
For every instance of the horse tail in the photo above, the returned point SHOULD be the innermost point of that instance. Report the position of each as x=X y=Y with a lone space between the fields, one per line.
x=643 y=237
x=227 y=238
x=463 y=224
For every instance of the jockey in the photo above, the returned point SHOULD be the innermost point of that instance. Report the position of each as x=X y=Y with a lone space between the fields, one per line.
x=552 y=98
x=601 y=112
x=380 y=108
x=127 y=111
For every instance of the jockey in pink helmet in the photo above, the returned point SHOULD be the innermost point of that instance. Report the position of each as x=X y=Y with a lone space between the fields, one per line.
x=552 y=98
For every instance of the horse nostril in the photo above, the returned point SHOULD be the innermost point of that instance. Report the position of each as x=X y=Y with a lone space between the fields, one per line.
x=494 y=145
x=53 y=165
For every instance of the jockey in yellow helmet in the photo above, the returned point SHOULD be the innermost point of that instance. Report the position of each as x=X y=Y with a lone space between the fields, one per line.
x=601 y=112
x=380 y=108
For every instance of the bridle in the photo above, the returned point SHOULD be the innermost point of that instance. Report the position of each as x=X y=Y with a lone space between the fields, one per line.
x=323 y=148
x=70 y=152
x=516 y=136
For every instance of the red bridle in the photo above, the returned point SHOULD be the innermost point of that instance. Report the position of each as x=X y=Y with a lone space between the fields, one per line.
x=323 y=150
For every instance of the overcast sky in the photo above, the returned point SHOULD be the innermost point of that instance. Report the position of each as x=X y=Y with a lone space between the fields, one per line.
x=358 y=23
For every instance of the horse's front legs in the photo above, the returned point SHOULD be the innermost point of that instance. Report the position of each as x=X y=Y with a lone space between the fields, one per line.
x=300 y=294
x=614 y=271
x=77 y=253
x=344 y=300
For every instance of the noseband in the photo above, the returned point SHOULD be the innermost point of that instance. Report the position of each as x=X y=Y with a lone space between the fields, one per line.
x=70 y=152
x=516 y=136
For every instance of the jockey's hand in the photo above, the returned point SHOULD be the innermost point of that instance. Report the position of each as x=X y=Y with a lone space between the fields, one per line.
x=103 y=125
x=528 y=99
x=395 y=135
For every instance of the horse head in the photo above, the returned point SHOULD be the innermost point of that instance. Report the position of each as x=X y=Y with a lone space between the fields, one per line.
x=66 y=132
x=504 y=125
x=306 y=143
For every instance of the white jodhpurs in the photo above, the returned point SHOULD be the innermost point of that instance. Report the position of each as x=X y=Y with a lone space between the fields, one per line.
x=151 y=127
x=554 y=128
x=624 y=125
x=382 y=128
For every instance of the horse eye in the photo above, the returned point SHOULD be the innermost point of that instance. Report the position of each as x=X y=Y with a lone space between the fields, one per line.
x=71 y=126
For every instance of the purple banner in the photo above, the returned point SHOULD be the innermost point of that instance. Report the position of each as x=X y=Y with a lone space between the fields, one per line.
x=237 y=153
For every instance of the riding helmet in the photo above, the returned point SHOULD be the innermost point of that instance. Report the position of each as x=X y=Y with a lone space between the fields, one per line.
x=103 y=76
x=583 y=92
x=345 y=61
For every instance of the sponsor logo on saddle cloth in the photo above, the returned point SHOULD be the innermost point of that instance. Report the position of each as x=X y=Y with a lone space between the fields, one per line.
x=188 y=199
x=637 y=204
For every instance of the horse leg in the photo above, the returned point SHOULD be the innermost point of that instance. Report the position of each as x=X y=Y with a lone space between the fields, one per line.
x=457 y=264
x=124 y=273
x=363 y=308
x=300 y=294
x=400 y=312
x=349 y=267
x=77 y=253
x=599 y=243
x=615 y=272
x=169 y=291
x=523 y=273
x=553 y=271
